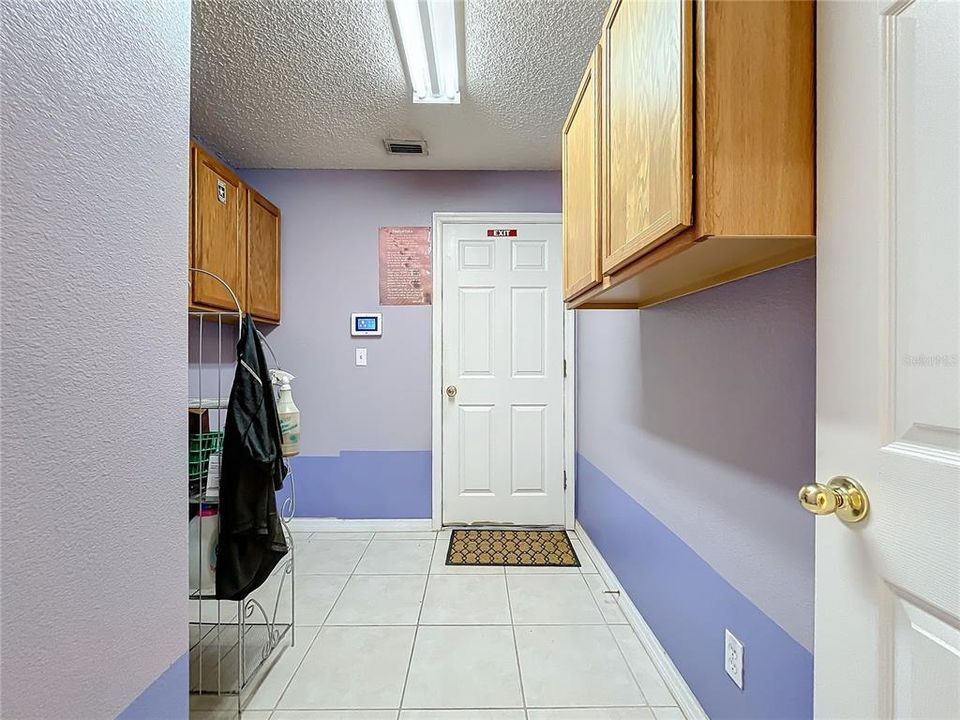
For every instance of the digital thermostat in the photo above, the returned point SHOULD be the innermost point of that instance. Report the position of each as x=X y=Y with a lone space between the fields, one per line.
x=366 y=324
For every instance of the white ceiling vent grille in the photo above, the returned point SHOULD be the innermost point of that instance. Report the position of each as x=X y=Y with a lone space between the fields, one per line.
x=405 y=147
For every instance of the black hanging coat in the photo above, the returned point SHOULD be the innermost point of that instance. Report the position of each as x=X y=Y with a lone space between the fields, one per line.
x=251 y=540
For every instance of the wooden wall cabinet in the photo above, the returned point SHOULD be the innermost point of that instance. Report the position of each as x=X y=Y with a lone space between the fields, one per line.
x=708 y=146
x=218 y=229
x=234 y=233
x=581 y=188
x=263 y=257
x=647 y=126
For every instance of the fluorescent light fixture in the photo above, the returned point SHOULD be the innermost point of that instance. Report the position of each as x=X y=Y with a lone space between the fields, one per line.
x=428 y=38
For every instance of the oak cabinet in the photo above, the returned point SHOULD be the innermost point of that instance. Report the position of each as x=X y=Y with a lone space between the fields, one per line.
x=647 y=126
x=263 y=257
x=707 y=165
x=581 y=187
x=217 y=242
x=235 y=234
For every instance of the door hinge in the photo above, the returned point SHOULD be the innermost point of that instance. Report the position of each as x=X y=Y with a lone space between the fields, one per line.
x=564 y=367
x=564 y=479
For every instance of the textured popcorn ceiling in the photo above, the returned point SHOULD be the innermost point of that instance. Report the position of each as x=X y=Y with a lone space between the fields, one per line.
x=320 y=83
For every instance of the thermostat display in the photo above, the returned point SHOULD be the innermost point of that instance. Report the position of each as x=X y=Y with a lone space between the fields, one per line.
x=366 y=324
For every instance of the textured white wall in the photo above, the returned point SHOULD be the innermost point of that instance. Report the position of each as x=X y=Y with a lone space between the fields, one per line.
x=94 y=222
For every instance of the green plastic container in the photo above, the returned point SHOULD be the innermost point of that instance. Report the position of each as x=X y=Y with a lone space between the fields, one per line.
x=201 y=446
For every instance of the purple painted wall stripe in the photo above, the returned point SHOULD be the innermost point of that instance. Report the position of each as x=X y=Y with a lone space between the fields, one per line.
x=166 y=698
x=688 y=604
x=363 y=484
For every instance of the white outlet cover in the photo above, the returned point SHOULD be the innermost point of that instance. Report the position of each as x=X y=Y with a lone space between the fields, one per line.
x=733 y=658
x=361 y=357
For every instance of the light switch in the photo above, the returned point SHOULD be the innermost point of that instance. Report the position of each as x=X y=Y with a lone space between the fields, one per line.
x=361 y=357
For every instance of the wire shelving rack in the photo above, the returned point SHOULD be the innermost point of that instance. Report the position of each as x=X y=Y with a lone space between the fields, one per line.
x=232 y=643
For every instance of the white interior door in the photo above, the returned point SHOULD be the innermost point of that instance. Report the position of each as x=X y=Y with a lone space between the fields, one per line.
x=502 y=370
x=888 y=402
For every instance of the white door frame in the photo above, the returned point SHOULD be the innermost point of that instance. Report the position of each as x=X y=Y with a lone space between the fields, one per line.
x=440 y=219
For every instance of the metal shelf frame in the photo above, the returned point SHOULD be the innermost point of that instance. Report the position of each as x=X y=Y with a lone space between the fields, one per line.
x=228 y=650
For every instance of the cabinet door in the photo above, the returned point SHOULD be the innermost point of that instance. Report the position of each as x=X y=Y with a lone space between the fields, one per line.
x=581 y=185
x=648 y=126
x=263 y=257
x=217 y=243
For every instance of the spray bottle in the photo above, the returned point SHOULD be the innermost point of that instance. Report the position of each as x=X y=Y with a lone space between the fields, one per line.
x=289 y=414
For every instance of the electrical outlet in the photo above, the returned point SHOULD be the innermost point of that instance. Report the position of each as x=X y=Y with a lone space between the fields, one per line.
x=733 y=658
x=361 y=357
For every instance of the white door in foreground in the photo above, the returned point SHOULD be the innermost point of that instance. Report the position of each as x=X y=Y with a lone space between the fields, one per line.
x=502 y=374
x=888 y=397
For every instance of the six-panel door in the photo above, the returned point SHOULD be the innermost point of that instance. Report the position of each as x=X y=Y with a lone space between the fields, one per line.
x=581 y=185
x=502 y=359
x=648 y=126
x=887 y=623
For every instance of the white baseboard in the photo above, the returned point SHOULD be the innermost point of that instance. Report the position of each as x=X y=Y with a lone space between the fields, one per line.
x=340 y=525
x=678 y=687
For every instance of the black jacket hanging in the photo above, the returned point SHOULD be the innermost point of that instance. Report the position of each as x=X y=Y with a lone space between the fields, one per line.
x=251 y=541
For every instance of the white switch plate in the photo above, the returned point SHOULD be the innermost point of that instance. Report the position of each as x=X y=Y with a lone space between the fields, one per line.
x=361 y=357
x=733 y=658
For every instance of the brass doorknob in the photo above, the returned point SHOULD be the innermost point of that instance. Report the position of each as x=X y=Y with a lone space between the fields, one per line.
x=451 y=391
x=842 y=495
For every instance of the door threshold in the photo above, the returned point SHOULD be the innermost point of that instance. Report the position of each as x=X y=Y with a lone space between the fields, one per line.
x=486 y=524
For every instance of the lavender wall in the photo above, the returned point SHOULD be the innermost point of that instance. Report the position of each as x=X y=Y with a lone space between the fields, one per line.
x=96 y=102
x=695 y=424
x=330 y=269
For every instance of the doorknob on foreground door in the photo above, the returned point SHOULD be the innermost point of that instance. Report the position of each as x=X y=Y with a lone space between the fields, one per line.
x=842 y=495
x=451 y=391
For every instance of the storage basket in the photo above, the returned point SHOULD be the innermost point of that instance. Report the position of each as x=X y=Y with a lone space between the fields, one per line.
x=201 y=447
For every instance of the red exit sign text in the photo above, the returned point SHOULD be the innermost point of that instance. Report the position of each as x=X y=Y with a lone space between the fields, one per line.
x=512 y=232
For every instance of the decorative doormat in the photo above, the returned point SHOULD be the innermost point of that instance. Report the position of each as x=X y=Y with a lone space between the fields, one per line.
x=542 y=548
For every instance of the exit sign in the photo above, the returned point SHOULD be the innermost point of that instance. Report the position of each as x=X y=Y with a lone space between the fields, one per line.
x=511 y=232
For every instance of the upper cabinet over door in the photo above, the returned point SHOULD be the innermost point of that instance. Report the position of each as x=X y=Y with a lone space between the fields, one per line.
x=263 y=257
x=648 y=126
x=217 y=239
x=581 y=185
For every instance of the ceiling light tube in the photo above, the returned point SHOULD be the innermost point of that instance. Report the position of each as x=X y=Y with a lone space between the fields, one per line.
x=414 y=48
x=439 y=60
x=443 y=32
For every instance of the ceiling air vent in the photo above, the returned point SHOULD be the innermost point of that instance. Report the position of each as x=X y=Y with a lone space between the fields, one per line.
x=405 y=147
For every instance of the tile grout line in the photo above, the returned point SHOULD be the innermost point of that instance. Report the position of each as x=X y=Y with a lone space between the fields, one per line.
x=323 y=624
x=516 y=648
x=596 y=604
x=360 y=559
x=365 y=574
x=596 y=601
x=286 y=685
x=583 y=553
x=611 y=626
x=416 y=630
x=458 y=624
x=633 y=674
x=512 y=622
x=636 y=680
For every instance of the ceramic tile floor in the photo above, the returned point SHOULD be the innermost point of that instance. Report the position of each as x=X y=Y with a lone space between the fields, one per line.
x=387 y=631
